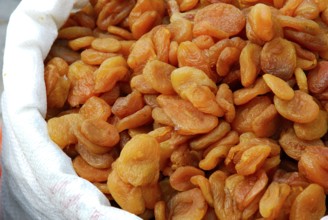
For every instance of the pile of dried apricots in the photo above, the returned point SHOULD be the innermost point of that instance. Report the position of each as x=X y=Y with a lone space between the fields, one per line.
x=196 y=109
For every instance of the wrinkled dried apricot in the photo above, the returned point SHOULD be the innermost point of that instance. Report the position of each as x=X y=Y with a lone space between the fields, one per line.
x=88 y=172
x=158 y=74
x=318 y=78
x=258 y=116
x=61 y=129
x=278 y=57
x=125 y=106
x=109 y=73
x=95 y=108
x=261 y=22
x=294 y=146
x=127 y=196
x=100 y=161
x=313 y=165
x=186 y=118
x=301 y=109
x=100 y=132
x=186 y=204
x=138 y=163
x=190 y=55
x=309 y=204
x=273 y=199
x=180 y=179
x=82 y=83
x=313 y=130
x=194 y=85
x=219 y=20
x=249 y=63
x=145 y=15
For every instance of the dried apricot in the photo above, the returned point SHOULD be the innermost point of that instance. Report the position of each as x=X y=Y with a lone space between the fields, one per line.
x=158 y=74
x=249 y=63
x=313 y=165
x=301 y=109
x=219 y=20
x=109 y=73
x=127 y=196
x=186 y=204
x=180 y=179
x=82 y=83
x=279 y=87
x=309 y=204
x=313 y=130
x=186 y=118
x=273 y=199
x=138 y=163
x=100 y=132
x=278 y=57
x=88 y=172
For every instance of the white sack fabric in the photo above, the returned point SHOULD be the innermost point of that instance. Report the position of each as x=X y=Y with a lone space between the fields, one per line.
x=38 y=180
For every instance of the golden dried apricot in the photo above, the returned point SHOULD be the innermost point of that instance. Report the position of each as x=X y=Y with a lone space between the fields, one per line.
x=138 y=163
x=112 y=12
x=100 y=161
x=158 y=74
x=214 y=156
x=74 y=32
x=142 y=51
x=100 y=132
x=140 y=84
x=180 y=28
x=145 y=15
x=313 y=130
x=109 y=73
x=82 y=83
x=88 y=172
x=125 y=106
x=107 y=45
x=194 y=85
x=80 y=43
x=186 y=118
x=127 y=196
x=244 y=95
x=316 y=42
x=95 y=108
x=313 y=165
x=249 y=63
x=180 y=178
x=190 y=55
x=139 y=118
x=258 y=116
x=94 y=57
x=279 y=87
x=309 y=204
x=273 y=199
x=301 y=109
x=219 y=20
x=186 y=204
x=252 y=159
x=293 y=145
x=216 y=134
x=261 y=22
x=61 y=129
x=161 y=39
